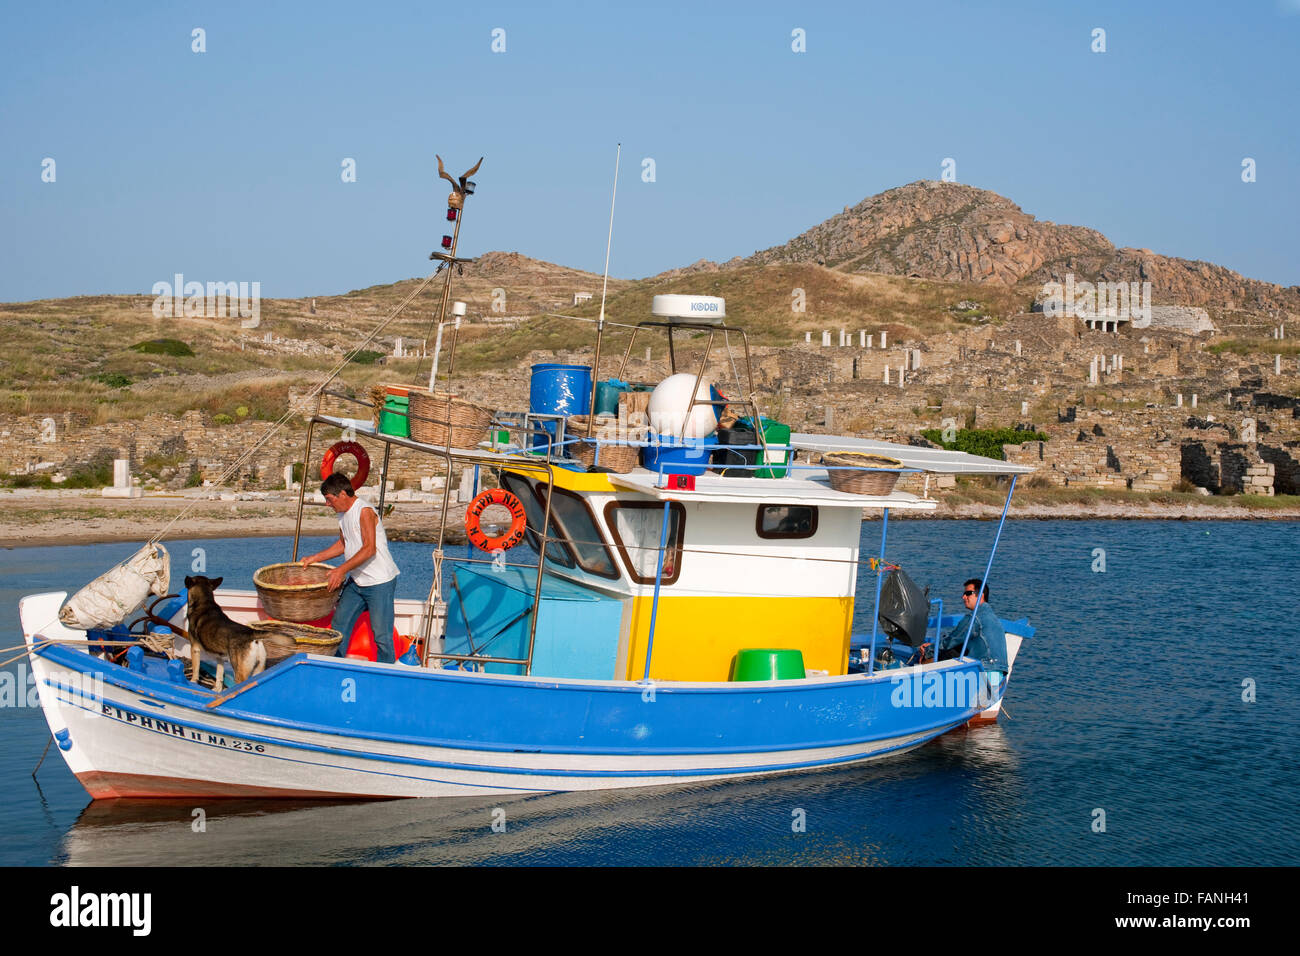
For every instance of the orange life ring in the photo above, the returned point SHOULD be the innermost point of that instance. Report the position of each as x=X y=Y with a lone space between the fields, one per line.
x=474 y=526
x=346 y=448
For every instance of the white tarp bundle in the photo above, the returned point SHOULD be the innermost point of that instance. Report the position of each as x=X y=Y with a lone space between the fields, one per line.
x=107 y=600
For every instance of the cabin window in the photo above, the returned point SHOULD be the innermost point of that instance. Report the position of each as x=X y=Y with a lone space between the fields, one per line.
x=637 y=528
x=574 y=520
x=786 y=521
x=522 y=489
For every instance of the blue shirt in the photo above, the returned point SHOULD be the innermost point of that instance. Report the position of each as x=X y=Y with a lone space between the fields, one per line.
x=988 y=641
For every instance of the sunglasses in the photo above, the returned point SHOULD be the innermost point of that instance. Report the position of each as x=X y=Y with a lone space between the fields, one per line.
x=967 y=593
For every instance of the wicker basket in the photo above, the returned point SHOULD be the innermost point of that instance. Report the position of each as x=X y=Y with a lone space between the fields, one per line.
x=286 y=638
x=617 y=457
x=439 y=418
x=291 y=592
x=862 y=482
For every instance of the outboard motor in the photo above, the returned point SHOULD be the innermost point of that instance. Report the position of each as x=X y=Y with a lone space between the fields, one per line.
x=904 y=609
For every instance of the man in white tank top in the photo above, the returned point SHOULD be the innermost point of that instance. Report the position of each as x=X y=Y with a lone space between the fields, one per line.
x=368 y=574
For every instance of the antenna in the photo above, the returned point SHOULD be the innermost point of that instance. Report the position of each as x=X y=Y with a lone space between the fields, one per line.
x=600 y=322
x=609 y=241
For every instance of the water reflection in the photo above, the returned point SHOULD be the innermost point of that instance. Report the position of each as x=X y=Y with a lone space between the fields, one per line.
x=873 y=814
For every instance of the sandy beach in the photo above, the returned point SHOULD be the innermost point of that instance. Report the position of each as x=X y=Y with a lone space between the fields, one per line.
x=30 y=518
x=34 y=518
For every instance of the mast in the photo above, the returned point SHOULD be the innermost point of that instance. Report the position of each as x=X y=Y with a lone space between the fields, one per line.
x=455 y=213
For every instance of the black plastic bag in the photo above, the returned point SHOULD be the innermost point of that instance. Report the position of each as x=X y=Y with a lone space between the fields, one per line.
x=904 y=609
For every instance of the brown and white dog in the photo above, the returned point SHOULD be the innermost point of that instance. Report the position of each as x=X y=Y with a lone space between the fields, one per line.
x=211 y=630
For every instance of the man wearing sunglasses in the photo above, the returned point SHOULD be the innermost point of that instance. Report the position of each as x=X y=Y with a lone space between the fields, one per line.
x=988 y=641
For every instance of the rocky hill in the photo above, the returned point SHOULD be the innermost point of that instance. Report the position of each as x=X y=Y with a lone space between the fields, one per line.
x=958 y=233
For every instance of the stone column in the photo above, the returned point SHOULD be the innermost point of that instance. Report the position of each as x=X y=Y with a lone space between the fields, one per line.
x=122 y=487
x=465 y=492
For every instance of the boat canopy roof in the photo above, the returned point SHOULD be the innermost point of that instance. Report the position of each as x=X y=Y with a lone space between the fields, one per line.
x=936 y=461
x=810 y=489
x=807 y=486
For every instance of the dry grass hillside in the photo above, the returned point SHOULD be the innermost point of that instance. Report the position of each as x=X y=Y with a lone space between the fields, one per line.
x=84 y=354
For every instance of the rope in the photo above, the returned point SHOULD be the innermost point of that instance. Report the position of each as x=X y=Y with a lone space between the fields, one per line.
x=726 y=340
x=280 y=423
x=41 y=645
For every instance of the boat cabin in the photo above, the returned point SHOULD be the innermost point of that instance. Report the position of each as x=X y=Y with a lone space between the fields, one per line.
x=645 y=576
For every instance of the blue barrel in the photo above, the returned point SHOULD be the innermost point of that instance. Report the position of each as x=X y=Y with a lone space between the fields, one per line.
x=558 y=390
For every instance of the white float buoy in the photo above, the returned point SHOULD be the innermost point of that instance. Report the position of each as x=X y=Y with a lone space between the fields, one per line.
x=669 y=402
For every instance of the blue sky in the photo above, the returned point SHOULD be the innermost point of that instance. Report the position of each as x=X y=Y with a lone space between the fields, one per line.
x=225 y=165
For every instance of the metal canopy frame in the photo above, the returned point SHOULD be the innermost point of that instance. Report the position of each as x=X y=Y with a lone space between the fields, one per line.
x=450 y=457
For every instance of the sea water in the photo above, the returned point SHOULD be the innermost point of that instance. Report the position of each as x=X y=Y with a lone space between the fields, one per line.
x=1151 y=720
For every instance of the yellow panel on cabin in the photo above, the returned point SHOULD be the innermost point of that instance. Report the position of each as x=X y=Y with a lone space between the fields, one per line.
x=565 y=478
x=696 y=638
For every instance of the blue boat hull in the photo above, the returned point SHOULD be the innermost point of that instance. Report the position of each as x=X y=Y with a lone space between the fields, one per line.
x=315 y=726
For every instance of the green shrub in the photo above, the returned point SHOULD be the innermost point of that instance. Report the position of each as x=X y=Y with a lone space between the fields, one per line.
x=112 y=379
x=97 y=474
x=172 y=347
x=985 y=442
x=27 y=481
x=367 y=357
x=222 y=419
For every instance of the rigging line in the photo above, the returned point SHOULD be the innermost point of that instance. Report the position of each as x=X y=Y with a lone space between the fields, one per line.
x=424 y=347
x=726 y=340
x=583 y=318
x=278 y=424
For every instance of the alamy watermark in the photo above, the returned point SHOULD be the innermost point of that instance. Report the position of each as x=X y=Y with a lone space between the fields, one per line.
x=1097 y=300
x=127 y=910
x=18 y=688
x=947 y=689
x=179 y=298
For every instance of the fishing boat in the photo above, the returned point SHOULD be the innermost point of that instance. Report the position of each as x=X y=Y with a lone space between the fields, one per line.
x=652 y=607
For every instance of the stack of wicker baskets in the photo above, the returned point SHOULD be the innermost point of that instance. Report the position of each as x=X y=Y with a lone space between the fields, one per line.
x=291 y=592
x=861 y=482
x=619 y=457
x=440 y=418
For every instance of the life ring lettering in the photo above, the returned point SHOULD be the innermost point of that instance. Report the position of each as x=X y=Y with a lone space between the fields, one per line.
x=346 y=448
x=474 y=521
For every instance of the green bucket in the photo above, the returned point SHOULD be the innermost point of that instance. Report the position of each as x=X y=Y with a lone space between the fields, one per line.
x=753 y=663
x=393 y=419
x=774 y=433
